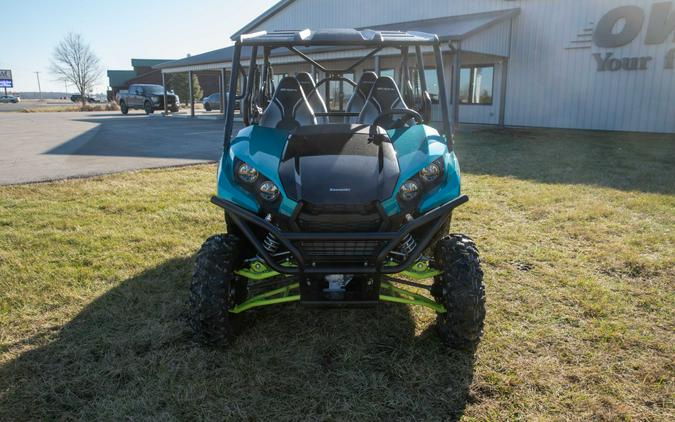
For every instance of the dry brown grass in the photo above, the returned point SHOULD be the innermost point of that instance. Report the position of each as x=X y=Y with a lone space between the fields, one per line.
x=576 y=235
x=66 y=108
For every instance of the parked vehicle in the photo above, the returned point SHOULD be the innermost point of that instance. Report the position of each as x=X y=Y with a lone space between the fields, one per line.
x=338 y=208
x=148 y=98
x=76 y=98
x=9 y=99
x=212 y=102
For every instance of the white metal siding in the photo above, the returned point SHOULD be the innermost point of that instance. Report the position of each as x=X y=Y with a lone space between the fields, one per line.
x=548 y=85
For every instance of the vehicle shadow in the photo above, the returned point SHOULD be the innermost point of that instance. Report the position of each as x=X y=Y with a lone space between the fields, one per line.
x=129 y=354
x=146 y=136
x=618 y=160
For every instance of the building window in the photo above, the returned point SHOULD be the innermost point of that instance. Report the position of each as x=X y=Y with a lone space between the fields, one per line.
x=387 y=72
x=475 y=85
x=340 y=92
x=431 y=77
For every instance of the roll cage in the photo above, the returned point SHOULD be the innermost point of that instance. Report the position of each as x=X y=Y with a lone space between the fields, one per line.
x=258 y=85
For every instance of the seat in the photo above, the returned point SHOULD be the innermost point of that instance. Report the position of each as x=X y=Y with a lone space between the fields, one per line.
x=313 y=96
x=383 y=97
x=360 y=95
x=288 y=108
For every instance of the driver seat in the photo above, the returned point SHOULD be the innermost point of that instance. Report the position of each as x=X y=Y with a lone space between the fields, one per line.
x=360 y=95
x=384 y=97
x=288 y=108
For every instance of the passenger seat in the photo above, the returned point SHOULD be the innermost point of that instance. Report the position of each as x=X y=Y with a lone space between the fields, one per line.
x=313 y=96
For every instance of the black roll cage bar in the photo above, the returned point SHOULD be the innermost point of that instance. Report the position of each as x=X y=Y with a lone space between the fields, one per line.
x=249 y=80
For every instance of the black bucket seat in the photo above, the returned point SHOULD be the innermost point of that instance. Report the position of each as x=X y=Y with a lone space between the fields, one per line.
x=288 y=108
x=360 y=95
x=313 y=95
x=383 y=97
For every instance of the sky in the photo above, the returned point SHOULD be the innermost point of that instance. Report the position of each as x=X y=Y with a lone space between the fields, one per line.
x=116 y=30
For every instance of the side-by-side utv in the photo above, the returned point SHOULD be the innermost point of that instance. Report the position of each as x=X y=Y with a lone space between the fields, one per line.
x=338 y=207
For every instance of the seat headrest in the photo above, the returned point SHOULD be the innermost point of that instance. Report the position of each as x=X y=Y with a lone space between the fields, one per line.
x=289 y=91
x=366 y=83
x=306 y=81
x=386 y=95
x=289 y=107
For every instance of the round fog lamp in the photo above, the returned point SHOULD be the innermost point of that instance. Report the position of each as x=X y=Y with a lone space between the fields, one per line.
x=268 y=191
x=247 y=173
x=409 y=190
x=430 y=173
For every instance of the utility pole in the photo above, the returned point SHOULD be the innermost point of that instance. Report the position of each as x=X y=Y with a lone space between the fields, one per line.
x=38 y=79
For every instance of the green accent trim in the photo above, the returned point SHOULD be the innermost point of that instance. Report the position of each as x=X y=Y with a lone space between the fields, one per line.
x=258 y=270
x=263 y=299
x=420 y=270
x=410 y=298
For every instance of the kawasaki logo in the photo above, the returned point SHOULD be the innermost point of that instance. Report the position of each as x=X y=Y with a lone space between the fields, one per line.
x=340 y=189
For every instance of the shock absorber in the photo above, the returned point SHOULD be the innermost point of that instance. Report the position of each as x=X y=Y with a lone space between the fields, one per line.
x=408 y=244
x=271 y=244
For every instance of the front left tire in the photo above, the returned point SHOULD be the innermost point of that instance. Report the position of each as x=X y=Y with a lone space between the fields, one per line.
x=461 y=290
x=215 y=289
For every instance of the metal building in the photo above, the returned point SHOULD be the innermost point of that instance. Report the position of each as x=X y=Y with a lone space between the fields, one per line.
x=581 y=64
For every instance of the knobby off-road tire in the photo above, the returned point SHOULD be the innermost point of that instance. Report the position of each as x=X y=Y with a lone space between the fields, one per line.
x=461 y=290
x=147 y=107
x=215 y=289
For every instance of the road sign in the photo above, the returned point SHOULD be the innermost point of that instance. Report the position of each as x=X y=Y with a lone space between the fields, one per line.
x=6 y=78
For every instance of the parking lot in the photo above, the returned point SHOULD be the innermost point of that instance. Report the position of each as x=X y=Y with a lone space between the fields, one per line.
x=47 y=146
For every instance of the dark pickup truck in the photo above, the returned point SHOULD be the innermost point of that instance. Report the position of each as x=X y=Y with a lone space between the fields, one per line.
x=147 y=98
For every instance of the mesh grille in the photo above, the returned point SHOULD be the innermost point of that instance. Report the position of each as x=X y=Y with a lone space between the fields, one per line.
x=341 y=248
x=332 y=223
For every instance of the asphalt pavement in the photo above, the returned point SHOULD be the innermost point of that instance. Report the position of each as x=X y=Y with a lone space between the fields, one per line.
x=47 y=146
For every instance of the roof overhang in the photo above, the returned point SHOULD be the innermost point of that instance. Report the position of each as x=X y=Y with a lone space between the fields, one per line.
x=454 y=28
x=427 y=31
x=278 y=7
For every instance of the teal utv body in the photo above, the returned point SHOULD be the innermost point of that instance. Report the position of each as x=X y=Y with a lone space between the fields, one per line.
x=338 y=201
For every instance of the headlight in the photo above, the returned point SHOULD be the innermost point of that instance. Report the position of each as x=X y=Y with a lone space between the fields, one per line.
x=268 y=191
x=246 y=173
x=155 y=99
x=409 y=190
x=431 y=172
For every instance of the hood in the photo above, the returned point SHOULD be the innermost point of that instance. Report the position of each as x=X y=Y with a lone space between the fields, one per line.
x=337 y=164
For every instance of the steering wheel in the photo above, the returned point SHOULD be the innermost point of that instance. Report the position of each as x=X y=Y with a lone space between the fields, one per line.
x=404 y=112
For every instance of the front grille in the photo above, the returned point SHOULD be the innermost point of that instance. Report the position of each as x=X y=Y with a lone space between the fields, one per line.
x=341 y=248
x=337 y=223
x=332 y=218
x=362 y=209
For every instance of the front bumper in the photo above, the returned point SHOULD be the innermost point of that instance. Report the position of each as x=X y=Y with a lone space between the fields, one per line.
x=376 y=246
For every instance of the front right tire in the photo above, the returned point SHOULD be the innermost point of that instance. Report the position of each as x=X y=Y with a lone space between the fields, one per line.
x=215 y=289
x=124 y=108
x=147 y=107
x=461 y=290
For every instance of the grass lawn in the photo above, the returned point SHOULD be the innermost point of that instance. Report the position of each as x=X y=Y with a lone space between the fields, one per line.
x=576 y=231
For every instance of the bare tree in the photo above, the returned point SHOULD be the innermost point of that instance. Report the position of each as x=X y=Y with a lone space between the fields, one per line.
x=75 y=62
